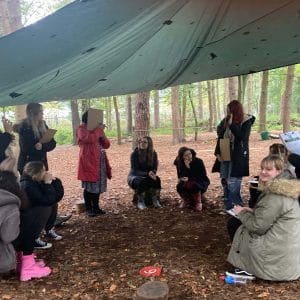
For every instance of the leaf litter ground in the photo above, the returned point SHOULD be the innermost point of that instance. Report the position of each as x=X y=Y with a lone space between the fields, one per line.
x=100 y=258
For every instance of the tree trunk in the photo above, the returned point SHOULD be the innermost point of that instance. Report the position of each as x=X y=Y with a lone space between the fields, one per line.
x=75 y=119
x=195 y=115
x=11 y=20
x=226 y=96
x=232 y=88
x=242 y=81
x=156 y=109
x=210 y=106
x=117 y=120
x=250 y=93
x=85 y=105
x=200 y=100
x=298 y=96
x=129 y=115
x=108 y=113
x=213 y=103
x=287 y=99
x=217 y=96
x=183 y=114
x=142 y=116
x=263 y=101
x=175 y=115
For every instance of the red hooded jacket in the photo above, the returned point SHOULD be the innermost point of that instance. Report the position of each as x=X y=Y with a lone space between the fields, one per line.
x=89 y=154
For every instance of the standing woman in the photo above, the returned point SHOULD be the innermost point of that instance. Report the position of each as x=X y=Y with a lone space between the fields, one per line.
x=30 y=132
x=192 y=178
x=236 y=126
x=93 y=168
x=142 y=176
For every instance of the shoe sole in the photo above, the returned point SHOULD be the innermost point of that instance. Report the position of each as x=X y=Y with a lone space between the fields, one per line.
x=239 y=276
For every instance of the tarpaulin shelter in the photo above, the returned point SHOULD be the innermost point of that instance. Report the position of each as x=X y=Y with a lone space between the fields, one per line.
x=93 y=48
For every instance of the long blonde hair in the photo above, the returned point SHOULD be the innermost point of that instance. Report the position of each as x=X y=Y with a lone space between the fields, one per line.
x=38 y=128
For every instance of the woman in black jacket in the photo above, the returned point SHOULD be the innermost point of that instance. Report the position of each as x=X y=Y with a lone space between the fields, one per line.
x=30 y=132
x=142 y=176
x=192 y=178
x=235 y=127
x=43 y=191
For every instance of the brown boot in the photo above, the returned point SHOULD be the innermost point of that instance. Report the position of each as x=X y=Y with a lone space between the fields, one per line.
x=198 y=202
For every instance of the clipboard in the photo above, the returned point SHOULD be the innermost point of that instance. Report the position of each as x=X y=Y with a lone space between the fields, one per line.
x=48 y=136
x=95 y=117
x=225 y=149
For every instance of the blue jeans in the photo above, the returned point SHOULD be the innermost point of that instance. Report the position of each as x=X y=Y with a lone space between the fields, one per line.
x=233 y=192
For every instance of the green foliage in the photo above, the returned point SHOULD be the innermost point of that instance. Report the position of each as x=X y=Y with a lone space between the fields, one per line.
x=64 y=135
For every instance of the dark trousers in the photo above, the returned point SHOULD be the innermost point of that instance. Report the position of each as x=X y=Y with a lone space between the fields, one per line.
x=32 y=222
x=232 y=225
x=143 y=184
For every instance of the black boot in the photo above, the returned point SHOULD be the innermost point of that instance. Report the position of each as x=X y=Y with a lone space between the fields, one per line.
x=156 y=199
x=95 y=205
x=88 y=204
x=141 y=201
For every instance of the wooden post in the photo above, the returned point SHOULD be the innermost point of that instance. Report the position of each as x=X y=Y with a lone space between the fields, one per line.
x=152 y=290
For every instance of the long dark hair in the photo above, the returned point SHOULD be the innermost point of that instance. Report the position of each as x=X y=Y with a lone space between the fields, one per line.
x=147 y=155
x=236 y=108
x=179 y=162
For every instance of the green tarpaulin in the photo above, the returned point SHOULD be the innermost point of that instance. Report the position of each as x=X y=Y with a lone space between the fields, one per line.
x=94 y=48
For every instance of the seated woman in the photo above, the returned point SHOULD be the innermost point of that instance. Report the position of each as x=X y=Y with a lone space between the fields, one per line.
x=142 y=176
x=10 y=201
x=42 y=190
x=267 y=244
x=192 y=178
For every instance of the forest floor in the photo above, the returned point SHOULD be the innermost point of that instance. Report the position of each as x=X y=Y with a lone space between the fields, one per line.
x=100 y=258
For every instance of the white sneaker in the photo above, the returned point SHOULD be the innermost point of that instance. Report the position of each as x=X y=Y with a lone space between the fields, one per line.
x=53 y=235
x=40 y=244
x=243 y=275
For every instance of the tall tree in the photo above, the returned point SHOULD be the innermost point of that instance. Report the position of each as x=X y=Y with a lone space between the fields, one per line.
x=200 y=100
x=263 y=101
x=117 y=120
x=75 y=118
x=232 y=88
x=250 y=93
x=287 y=98
x=129 y=114
x=176 y=137
x=217 y=96
x=210 y=106
x=194 y=114
x=183 y=112
x=156 y=109
x=214 y=102
x=11 y=20
x=242 y=81
x=142 y=116
x=108 y=112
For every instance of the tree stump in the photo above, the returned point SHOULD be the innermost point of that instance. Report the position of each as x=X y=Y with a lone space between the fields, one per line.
x=80 y=206
x=152 y=290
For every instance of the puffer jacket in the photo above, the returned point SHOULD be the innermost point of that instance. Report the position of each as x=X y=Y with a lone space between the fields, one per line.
x=9 y=229
x=267 y=244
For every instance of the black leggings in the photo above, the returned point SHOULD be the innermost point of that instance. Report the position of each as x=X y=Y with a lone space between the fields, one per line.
x=33 y=221
x=232 y=225
x=141 y=184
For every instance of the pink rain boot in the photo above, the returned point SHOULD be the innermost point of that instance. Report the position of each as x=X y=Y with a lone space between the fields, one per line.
x=19 y=255
x=31 y=270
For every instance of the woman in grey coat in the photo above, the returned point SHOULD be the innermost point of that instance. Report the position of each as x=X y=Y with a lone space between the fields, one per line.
x=267 y=244
x=9 y=219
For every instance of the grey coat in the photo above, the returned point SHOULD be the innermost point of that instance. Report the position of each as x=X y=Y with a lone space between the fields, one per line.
x=9 y=229
x=267 y=244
